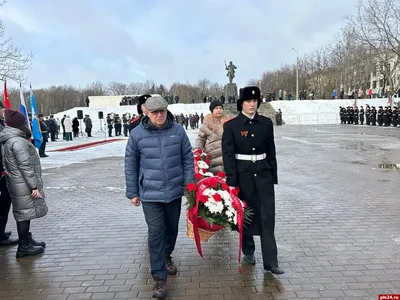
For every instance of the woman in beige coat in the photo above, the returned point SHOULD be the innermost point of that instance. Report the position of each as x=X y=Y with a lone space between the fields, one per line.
x=210 y=135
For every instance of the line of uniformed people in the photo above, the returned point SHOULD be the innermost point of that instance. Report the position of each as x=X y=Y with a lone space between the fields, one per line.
x=383 y=116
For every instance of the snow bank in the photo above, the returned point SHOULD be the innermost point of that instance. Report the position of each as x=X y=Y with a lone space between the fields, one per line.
x=93 y=111
x=295 y=112
x=298 y=112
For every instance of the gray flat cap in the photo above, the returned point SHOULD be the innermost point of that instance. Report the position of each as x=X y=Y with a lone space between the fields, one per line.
x=156 y=103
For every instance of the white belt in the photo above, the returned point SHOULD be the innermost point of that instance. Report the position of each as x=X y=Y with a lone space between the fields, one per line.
x=252 y=157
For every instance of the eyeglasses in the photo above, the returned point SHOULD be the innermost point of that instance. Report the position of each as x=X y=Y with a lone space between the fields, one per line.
x=159 y=111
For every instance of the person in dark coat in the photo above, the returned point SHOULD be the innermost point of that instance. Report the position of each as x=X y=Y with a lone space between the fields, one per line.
x=45 y=136
x=361 y=114
x=5 y=198
x=75 y=127
x=52 y=128
x=140 y=107
x=248 y=150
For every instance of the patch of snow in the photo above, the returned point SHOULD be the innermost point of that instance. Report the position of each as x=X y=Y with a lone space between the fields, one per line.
x=307 y=112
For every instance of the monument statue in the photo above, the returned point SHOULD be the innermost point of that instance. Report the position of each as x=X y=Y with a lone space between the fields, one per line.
x=231 y=71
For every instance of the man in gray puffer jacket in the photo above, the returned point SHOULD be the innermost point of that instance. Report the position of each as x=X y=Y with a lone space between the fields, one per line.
x=158 y=165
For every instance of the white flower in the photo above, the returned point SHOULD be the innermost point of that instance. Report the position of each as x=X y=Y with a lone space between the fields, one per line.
x=208 y=174
x=202 y=164
x=207 y=192
x=225 y=195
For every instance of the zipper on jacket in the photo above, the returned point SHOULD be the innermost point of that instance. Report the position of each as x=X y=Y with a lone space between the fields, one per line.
x=164 y=165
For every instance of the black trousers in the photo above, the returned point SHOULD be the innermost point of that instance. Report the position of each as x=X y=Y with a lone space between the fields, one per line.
x=42 y=148
x=265 y=218
x=162 y=220
x=5 y=204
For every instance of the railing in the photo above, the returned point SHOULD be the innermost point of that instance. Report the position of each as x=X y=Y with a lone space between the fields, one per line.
x=311 y=118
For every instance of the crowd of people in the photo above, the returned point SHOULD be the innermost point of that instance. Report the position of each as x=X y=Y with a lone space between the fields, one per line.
x=383 y=116
x=243 y=147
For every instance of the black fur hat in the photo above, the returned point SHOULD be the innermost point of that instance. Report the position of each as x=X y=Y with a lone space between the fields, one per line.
x=248 y=93
x=214 y=104
x=142 y=99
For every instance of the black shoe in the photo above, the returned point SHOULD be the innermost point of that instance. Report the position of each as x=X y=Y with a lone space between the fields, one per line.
x=274 y=270
x=26 y=249
x=249 y=259
x=6 y=240
x=170 y=266
x=35 y=243
x=160 y=289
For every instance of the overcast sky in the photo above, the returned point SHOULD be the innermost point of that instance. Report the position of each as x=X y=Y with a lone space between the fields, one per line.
x=81 y=41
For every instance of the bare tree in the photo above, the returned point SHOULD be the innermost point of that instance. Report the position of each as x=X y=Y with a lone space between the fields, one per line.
x=377 y=24
x=117 y=88
x=13 y=62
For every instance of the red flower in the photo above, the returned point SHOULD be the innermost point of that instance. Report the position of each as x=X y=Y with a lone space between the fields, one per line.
x=198 y=151
x=191 y=187
x=244 y=204
x=207 y=161
x=197 y=158
x=198 y=176
x=217 y=197
x=203 y=198
x=221 y=174
x=236 y=191
x=4 y=173
x=213 y=182
x=225 y=187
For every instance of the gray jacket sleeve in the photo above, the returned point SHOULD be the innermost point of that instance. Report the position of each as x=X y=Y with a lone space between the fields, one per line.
x=187 y=159
x=132 y=161
x=21 y=152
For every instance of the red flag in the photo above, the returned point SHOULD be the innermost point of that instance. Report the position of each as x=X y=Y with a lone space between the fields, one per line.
x=6 y=99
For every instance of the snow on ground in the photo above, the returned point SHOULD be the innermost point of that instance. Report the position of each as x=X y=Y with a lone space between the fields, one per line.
x=295 y=112
x=65 y=158
x=306 y=112
x=93 y=111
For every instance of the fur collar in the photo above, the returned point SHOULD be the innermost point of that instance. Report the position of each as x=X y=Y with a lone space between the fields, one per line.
x=215 y=124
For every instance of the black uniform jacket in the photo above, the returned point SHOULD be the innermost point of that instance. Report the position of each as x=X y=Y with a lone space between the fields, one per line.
x=242 y=135
x=135 y=122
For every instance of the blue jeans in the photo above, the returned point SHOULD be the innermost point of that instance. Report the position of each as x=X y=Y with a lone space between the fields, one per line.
x=163 y=221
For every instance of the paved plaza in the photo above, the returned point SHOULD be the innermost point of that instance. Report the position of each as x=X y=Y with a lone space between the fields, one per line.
x=338 y=230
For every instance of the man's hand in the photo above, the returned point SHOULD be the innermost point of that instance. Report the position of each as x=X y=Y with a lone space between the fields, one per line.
x=135 y=201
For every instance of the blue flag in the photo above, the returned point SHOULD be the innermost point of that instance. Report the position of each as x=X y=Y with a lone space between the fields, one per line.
x=36 y=134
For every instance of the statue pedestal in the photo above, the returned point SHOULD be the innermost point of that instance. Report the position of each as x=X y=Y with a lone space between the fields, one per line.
x=231 y=90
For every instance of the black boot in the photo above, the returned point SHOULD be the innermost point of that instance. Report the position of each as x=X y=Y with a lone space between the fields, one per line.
x=35 y=243
x=25 y=248
x=6 y=240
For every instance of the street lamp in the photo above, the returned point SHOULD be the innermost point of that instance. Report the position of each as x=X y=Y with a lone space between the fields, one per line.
x=297 y=74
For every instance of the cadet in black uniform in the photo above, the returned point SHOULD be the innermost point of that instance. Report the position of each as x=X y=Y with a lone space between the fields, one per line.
x=380 y=116
x=395 y=116
x=373 y=116
x=368 y=114
x=248 y=150
x=140 y=106
x=361 y=113
x=355 y=115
